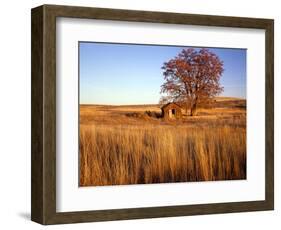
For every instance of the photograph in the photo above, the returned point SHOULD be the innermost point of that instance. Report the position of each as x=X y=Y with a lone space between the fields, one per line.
x=151 y=113
x=140 y=114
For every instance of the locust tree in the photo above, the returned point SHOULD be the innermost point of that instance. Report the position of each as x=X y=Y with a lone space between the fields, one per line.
x=192 y=77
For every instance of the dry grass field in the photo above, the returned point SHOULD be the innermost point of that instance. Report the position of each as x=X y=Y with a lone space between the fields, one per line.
x=133 y=145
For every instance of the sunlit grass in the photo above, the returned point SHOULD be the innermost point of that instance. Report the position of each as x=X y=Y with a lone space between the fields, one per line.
x=134 y=154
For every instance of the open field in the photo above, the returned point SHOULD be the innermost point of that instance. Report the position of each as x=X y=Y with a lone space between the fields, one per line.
x=133 y=145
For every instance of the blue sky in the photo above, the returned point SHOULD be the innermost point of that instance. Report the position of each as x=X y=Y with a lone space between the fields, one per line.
x=131 y=74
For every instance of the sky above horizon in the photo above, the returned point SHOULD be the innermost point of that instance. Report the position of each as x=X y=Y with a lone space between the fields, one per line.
x=120 y=74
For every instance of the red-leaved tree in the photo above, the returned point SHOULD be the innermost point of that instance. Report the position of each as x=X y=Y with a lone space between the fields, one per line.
x=192 y=77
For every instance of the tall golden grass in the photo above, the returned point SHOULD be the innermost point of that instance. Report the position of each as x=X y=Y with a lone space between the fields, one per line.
x=134 y=154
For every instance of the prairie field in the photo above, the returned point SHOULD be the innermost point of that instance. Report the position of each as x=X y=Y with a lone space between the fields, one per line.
x=132 y=144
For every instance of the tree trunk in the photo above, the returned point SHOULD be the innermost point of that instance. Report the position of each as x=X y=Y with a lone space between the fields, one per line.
x=186 y=108
x=193 y=109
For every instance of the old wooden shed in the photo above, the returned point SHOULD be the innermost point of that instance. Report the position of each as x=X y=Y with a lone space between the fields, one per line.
x=171 y=111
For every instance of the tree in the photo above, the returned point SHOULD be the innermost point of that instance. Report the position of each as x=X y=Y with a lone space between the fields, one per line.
x=192 y=77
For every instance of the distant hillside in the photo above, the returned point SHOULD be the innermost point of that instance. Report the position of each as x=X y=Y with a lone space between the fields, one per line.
x=228 y=99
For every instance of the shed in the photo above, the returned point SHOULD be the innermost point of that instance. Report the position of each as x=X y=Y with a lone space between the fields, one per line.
x=171 y=111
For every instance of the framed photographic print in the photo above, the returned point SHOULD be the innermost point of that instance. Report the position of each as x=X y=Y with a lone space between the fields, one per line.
x=141 y=114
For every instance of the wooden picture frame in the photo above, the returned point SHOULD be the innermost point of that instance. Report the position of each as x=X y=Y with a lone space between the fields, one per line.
x=43 y=160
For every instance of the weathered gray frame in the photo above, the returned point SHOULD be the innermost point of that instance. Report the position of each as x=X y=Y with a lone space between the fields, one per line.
x=43 y=189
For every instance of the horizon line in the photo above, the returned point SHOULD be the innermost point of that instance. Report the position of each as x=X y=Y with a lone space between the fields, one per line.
x=130 y=104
